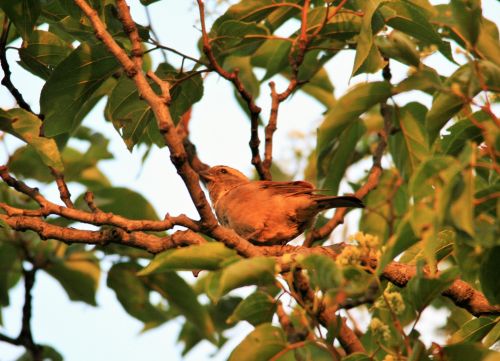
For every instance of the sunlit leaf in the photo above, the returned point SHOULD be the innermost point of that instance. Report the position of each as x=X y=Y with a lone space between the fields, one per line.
x=26 y=126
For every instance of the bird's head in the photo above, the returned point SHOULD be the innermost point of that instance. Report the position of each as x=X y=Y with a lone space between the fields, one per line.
x=221 y=179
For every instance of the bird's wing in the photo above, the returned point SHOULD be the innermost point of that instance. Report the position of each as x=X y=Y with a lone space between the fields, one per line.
x=288 y=189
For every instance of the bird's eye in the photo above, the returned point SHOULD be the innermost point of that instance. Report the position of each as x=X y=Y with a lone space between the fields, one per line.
x=223 y=171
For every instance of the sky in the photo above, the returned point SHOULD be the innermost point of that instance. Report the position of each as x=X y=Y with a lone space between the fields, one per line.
x=221 y=132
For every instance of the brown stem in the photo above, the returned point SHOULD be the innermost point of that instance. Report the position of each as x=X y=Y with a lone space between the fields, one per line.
x=62 y=187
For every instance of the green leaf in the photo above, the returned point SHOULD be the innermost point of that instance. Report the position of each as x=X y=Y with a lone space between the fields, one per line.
x=237 y=38
x=459 y=134
x=462 y=207
x=23 y=13
x=422 y=290
x=334 y=165
x=365 y=49
x=410 y=19
x=43 y=52
x=357 y=356
x=180 y=294
x=261 y=344
x=133 y=118
x=133 y=294
x=468 y=17
x=400 y=47
x=208 y=256
x=26 y=126
x=409 y=147
x=403 y=239
x=465 y=351
x=245 y=73
x=474 y=330
x=487 y=45
x=67 y=90
x=322 y=271
x=251 y=271
x=309 y=351
x=9 y=268
x=118 y=200
x=78 y=273
x=425 y=79
x=129 y=113
x=490 y=274
x=492 y=336
x=375 y=216
x=189 y=336
x=249 y=11
x=320 y=88
x=257 y=308
x=464 y=82
x=48 y=354
x=275 y=55
x=349 y=107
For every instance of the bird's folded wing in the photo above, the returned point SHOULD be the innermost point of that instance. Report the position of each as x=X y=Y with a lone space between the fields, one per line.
x=288 y=188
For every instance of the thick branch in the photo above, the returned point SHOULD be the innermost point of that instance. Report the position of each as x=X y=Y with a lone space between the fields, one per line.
x=461 y=293
x=149 y=242
x=158 y=106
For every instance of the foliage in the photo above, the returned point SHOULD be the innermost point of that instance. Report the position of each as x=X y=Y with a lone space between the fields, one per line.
x=433 y=206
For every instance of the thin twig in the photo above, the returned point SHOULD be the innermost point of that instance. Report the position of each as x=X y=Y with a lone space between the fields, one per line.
x=247 y=97
x=62 y=187
x=6 y=81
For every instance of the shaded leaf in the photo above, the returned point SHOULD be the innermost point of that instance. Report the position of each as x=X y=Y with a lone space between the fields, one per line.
x=322 y=271
x=23 y=13
x=257 y=308
x=349 y=107
x=490 y=274
x=257 y=270
x=468 y=18
x=261 y=344
x=309 y=351
x=67 y=90
x=208 y=256
x=474 y=330
x=43 y=52
x=78 y=273
x=463 y=83
x=180 y=294
x=118 y=200
x=365 y=47
x=133 y=294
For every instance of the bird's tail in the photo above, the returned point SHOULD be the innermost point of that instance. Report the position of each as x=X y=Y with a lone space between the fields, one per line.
x=326 y=202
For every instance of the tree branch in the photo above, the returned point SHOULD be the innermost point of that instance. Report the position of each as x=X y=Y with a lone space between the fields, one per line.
x=247 y=97
x=6 y=81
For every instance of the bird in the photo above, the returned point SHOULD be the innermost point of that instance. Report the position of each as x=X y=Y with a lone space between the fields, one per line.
x=267 y=212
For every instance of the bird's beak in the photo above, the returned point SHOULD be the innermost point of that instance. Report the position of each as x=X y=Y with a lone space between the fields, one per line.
x=205 y=176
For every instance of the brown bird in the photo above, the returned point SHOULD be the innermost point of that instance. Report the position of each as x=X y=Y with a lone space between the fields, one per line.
x=267 y=212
